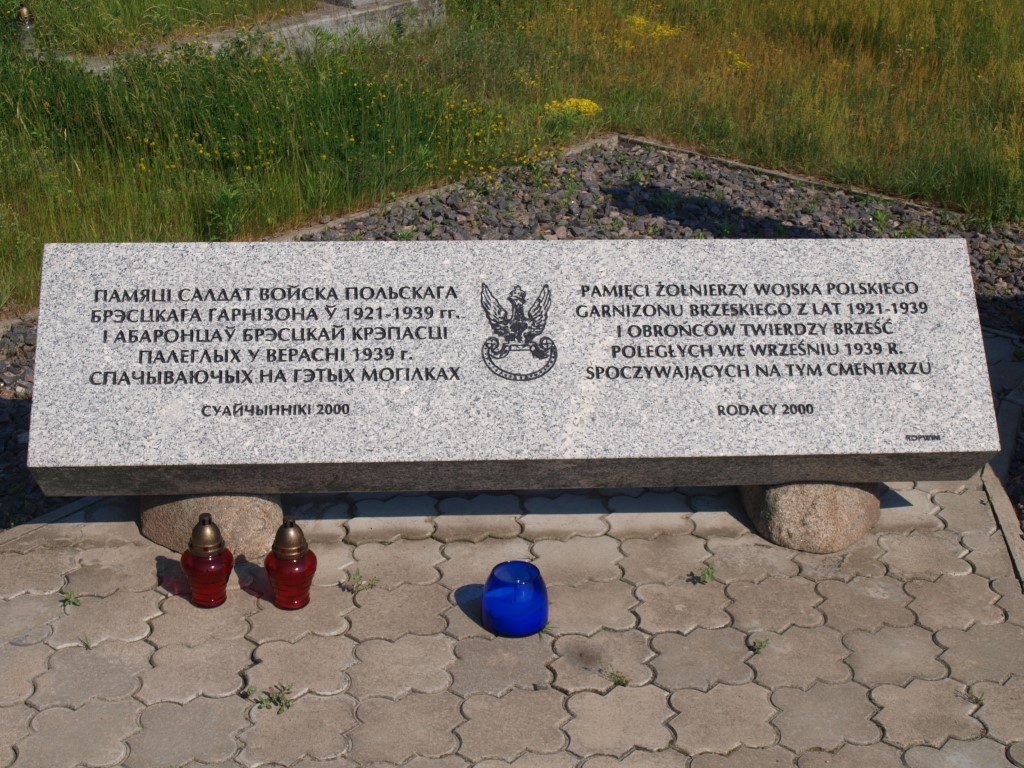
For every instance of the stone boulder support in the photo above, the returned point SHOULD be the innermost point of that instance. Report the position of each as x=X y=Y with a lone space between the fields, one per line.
x=248 y=523
x=812 y=517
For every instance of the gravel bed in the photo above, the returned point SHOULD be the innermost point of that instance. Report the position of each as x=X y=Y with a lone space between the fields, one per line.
x=631 y=190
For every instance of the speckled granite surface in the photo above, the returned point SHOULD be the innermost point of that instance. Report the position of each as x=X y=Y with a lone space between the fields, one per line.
x=408 y=366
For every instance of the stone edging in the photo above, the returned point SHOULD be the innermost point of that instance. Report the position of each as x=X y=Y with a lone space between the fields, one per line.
x=1009 y=523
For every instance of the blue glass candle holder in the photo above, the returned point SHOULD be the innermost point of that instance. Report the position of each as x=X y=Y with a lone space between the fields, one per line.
x=515 y=602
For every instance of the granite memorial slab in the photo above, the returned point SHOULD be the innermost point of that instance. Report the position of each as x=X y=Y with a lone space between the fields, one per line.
x=192 y=368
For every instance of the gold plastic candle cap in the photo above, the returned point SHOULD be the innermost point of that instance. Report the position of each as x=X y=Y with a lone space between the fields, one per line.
x=206 y=540
x=23 y=13
x=290 y=541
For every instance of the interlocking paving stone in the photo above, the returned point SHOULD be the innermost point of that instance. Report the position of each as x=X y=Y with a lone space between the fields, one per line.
x=719 y=516
x=924 y=555
x=985 y=652
x=925 y=712
x=800 y=656
x=1011 y=598
x=172 y=734
x=664 y=560
x=745 y=757
x=799 y=663
x=666 y=758
x=722 y=719
x=28 y=619
x=325 y=614
x=401 y=562
x=39 y=572
x=107 y=523
x=465 y=617
x=894 y=655
x=120 y=616
x=988 y=554
x=948 y=486
x=591 y=663
x=750 y=559
x=315 y=726
x=1016 y=753
x=620 y=720
x=181 y=673
x=1002 y=708
x=529 y=760
x=650 y=501
x=859 y=559
x=983 y=753
x=648 y=515
x=314 y=664
x=411 y=663
x=563 y=517
x=954 y=601
x=469 y=563
x=701 y=659
x=13 y=727
x=865 y=603
x=172 y=581
x=182 y=623
x=774 y=604
x=824 y=716
x=333 y=563
x=322 y=522
x=384 y=731
x=577 y=560
x=63 y=536
x=905 y=510
x=132 y=567
x=590 y=607
x=387 y=614
x=682 y=607
x=108 y=671
x=406 y=517
x=93 y=734
x=19 y=665
x=337 y=762
x=968 y=511
x=448 y=761
x=854 y=756
x=478 y=518
x=517 y=722
x=499 y=664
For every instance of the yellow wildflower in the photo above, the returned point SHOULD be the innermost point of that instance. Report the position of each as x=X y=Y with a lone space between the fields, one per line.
x=655 y=30
x=574 y=106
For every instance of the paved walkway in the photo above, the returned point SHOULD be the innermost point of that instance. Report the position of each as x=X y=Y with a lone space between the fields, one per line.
x=905 y=650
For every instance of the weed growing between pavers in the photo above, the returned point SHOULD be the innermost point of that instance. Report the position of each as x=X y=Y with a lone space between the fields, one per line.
x=357 y=583
x=278 y=696
x=758 y=646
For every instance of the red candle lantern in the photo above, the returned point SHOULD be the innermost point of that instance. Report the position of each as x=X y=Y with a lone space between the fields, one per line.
x=207 y=564
x=290 y=565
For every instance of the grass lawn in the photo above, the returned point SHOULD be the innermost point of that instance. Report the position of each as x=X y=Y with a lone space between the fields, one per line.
x=918 y=98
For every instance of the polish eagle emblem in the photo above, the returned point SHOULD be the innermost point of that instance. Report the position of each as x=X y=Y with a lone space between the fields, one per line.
x=517 y=329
